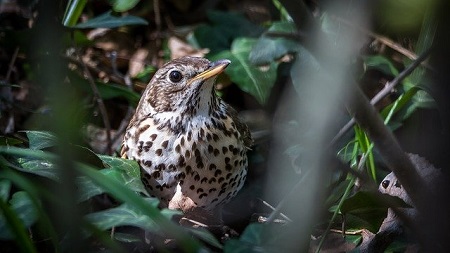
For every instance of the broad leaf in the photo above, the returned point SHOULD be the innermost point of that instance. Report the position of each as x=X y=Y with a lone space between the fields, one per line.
x=106 y=20
x=125 y=171
x=39 y=167
x=364 y=200
x=7 y=141
x=256 y=81
x=23 y=207
x=380 y=63
x=260 y=238
x=125 y=215
x=5 y=188
x=268 y=49
x=368 y=209
x=223 y=29
x=206 y=236
x=123 y=5
x=40 y=139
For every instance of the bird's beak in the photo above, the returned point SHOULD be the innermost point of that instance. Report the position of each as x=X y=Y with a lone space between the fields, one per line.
x=214 y=69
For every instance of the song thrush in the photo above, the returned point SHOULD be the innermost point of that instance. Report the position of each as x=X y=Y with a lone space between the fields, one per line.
x=189 y=143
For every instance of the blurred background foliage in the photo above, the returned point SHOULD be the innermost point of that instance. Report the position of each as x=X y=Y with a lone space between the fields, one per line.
x=71 y=74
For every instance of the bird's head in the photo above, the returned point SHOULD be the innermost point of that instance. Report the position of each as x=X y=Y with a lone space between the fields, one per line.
x=182 y=86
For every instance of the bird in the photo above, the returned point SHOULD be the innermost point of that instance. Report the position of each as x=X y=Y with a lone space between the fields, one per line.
x=190 y=145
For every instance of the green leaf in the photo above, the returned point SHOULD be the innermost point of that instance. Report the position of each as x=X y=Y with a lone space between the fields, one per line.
x=40 y=139
x=23 y=208
x=206 y=236
x=108 y=91
x=128 y=238
x=123 y=5
x=260 y=238
x=364 y=200
x=124 y=194
x=380 y=63
x=39 y=167
x=5 y=188
x=368 y=209
x=256 y=81
x=125 y=215
x=126 y=172
x=268 y=49
x=223 y=29
x=10 y=220
x=106 y=20
x=73 y=12
x=7 y=141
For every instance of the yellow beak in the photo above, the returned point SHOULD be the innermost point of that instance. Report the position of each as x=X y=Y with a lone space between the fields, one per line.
x=215 y=68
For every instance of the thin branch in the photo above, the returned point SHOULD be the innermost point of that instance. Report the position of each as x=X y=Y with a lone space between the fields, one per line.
x=385 y=40
x=101 y=107
x=90 y=67
x=390 y=150
x=385 y=91
x=11 y=64
x=273 y=208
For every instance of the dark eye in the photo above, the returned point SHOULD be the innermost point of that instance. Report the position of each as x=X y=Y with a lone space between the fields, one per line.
x=175 y=76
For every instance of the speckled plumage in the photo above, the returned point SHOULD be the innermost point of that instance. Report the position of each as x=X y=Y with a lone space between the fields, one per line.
x=189 y=143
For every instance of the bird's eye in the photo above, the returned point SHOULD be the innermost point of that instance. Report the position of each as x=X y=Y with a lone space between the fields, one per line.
x=175 y=76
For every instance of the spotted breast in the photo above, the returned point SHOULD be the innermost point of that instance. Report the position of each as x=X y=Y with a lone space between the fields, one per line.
x=189 y=143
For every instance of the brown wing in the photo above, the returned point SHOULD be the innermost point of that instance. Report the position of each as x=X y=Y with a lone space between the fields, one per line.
x=241 y=127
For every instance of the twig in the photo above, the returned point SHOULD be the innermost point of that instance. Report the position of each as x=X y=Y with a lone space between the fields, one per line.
x=11 y=64
x=101 y=107
x=273 y=208
x=385 y=91
x=385 y=40
x=79 y=62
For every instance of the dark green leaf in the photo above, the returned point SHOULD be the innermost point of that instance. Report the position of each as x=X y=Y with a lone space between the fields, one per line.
x=364 y=200
x=126 y=172
x=124 y=194
x=7 y=141
x=128 y=238
x=10 y=220
x=23 y=207
x=108 y=91
x=260 y=238
x=125 y=215
x=256 y=81
x=269 y=49
x=106 y=20
x=123 y=5
x=206 y=236
x=40 y=139
x=5 y=188
x=224 y=28
x=368 y=209
x=380 y=63
x=39 y=167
